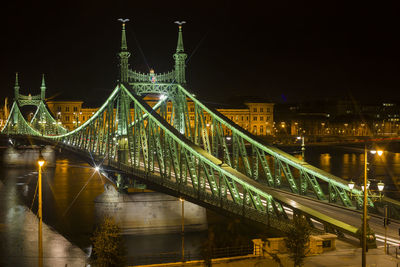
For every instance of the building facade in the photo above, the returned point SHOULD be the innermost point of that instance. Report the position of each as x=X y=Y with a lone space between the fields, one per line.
x=256 y=117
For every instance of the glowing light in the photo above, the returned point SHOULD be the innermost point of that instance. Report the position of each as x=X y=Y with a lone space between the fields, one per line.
x=351 y=185
x=381 y=186
x=97 y=168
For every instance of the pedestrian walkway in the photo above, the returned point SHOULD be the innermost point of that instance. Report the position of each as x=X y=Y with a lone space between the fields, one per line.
x=346 y=255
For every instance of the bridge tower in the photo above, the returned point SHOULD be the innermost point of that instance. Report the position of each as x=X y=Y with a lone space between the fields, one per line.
x=180 y=57
x=123 y=109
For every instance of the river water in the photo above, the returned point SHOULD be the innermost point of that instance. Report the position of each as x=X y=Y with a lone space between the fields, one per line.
x=70 y=187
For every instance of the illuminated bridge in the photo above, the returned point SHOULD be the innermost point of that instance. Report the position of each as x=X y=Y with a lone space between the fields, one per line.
x=237 y=175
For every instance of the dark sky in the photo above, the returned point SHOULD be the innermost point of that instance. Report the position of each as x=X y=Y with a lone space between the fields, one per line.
x=285 y=51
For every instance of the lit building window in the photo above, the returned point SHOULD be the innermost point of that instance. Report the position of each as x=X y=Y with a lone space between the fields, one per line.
x=261 y=110
x=261 y=119
x=254 y=109
x=66 y=109
x=255 y=118
x=66 y=118
x=261 y=129
x=75 y=108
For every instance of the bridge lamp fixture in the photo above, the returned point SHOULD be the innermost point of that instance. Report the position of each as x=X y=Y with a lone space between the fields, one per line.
x=97 y=168
x=228 y=138
x=368 y=184
x=381 y=186
x=162 y=97
x=351 y=185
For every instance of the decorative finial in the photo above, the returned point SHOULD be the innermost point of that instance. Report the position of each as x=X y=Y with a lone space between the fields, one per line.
x=43 y=83
x=180 y=23
x=123 y=21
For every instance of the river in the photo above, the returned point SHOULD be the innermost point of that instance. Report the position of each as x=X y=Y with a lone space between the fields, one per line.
x=70 y=187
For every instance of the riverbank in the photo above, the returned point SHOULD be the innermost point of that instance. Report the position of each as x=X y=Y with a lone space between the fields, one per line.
x=19 y=237
x=346 y=254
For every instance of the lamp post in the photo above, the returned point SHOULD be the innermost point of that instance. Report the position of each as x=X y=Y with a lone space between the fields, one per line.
x=365 y=202
x=40 y=162
x=364 y=231
x=303 y=147
x=183 y=228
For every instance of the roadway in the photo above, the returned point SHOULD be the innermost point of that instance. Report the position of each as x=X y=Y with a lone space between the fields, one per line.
x=350 y=216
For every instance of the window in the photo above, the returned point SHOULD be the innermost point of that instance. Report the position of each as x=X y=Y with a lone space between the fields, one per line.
x=192 y=118
x=255 y=129
x=261 y=129
x=59 y=109
x=255 y=118
x=83 y=118
x=242 y=118
x=247 y=118
x=66 y=118
x=267 y=118
x=268 y=110
x=254 y=109
x=261 y=110
x=168 y=118
x=261 y=118
x=75 y=109
x=191 y=109
x=169 y=109
x=66 y=109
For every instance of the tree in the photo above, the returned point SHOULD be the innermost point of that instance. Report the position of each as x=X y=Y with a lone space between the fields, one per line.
x=223 y=235
x=297 y=240
x=108 y=247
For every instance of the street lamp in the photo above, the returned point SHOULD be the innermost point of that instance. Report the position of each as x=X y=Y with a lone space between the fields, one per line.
x=365 y=212
x=303 y=147
x=40 y=162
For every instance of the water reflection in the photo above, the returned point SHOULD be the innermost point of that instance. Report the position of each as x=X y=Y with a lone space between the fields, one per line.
x=349 y=164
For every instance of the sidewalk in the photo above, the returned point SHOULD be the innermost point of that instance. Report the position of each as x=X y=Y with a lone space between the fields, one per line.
x=345 y=255
x=349 y=255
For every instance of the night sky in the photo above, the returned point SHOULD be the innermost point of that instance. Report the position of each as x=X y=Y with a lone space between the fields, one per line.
x=283 y=51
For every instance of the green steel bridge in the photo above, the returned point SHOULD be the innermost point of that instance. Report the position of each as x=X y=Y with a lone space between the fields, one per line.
x=239 y=175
